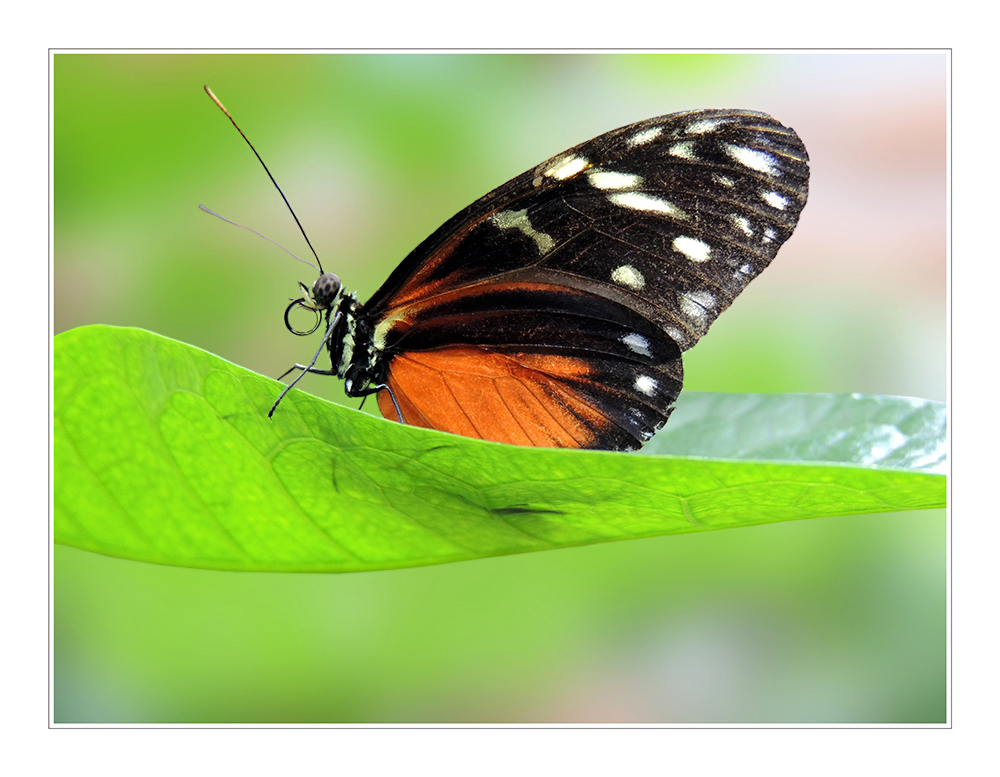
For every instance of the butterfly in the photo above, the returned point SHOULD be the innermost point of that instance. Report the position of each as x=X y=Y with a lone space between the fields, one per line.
x=554 y=311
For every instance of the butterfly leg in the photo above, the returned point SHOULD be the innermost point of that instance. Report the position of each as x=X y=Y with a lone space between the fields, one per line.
x=374 y=390
x=307 y=368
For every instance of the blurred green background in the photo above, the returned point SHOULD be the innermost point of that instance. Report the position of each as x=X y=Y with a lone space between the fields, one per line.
x=837 y=620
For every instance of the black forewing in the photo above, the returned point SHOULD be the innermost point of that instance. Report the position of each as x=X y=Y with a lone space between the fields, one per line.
x=620 y=251
x=671 y=217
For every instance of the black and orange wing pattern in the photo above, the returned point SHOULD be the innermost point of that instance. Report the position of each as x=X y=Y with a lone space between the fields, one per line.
x=554 y=310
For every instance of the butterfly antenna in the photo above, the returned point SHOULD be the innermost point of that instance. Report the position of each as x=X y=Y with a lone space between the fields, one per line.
x=243 y=226
x=223 y=109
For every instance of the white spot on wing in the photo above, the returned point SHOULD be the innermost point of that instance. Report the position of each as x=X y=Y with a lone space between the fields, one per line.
x=769 y=234
x=725 y=180
x=646 y=385
x=518 y=219
x=694 y=249
x=684 y=150
x=703 y=297
x=645 y=136
x=566 y=167
x=642 y=201
x=638 y=344
x=702 y=126
x=752 y=158
x=627 y=275
x=609 y=179
x=775 y=200
x=743 y=223
x=695 y=305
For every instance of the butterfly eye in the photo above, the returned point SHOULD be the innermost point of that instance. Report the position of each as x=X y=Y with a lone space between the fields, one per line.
x=325 y=290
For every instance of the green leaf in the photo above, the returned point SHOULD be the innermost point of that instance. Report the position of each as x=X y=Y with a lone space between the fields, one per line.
x=164 y=453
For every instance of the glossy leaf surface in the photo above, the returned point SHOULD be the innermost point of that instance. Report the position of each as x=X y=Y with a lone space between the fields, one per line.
x=164 y=453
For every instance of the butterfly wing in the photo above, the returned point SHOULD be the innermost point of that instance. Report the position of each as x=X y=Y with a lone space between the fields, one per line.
x=554 y=310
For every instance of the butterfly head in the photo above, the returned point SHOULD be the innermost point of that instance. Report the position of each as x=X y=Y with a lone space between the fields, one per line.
x=324 y=291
